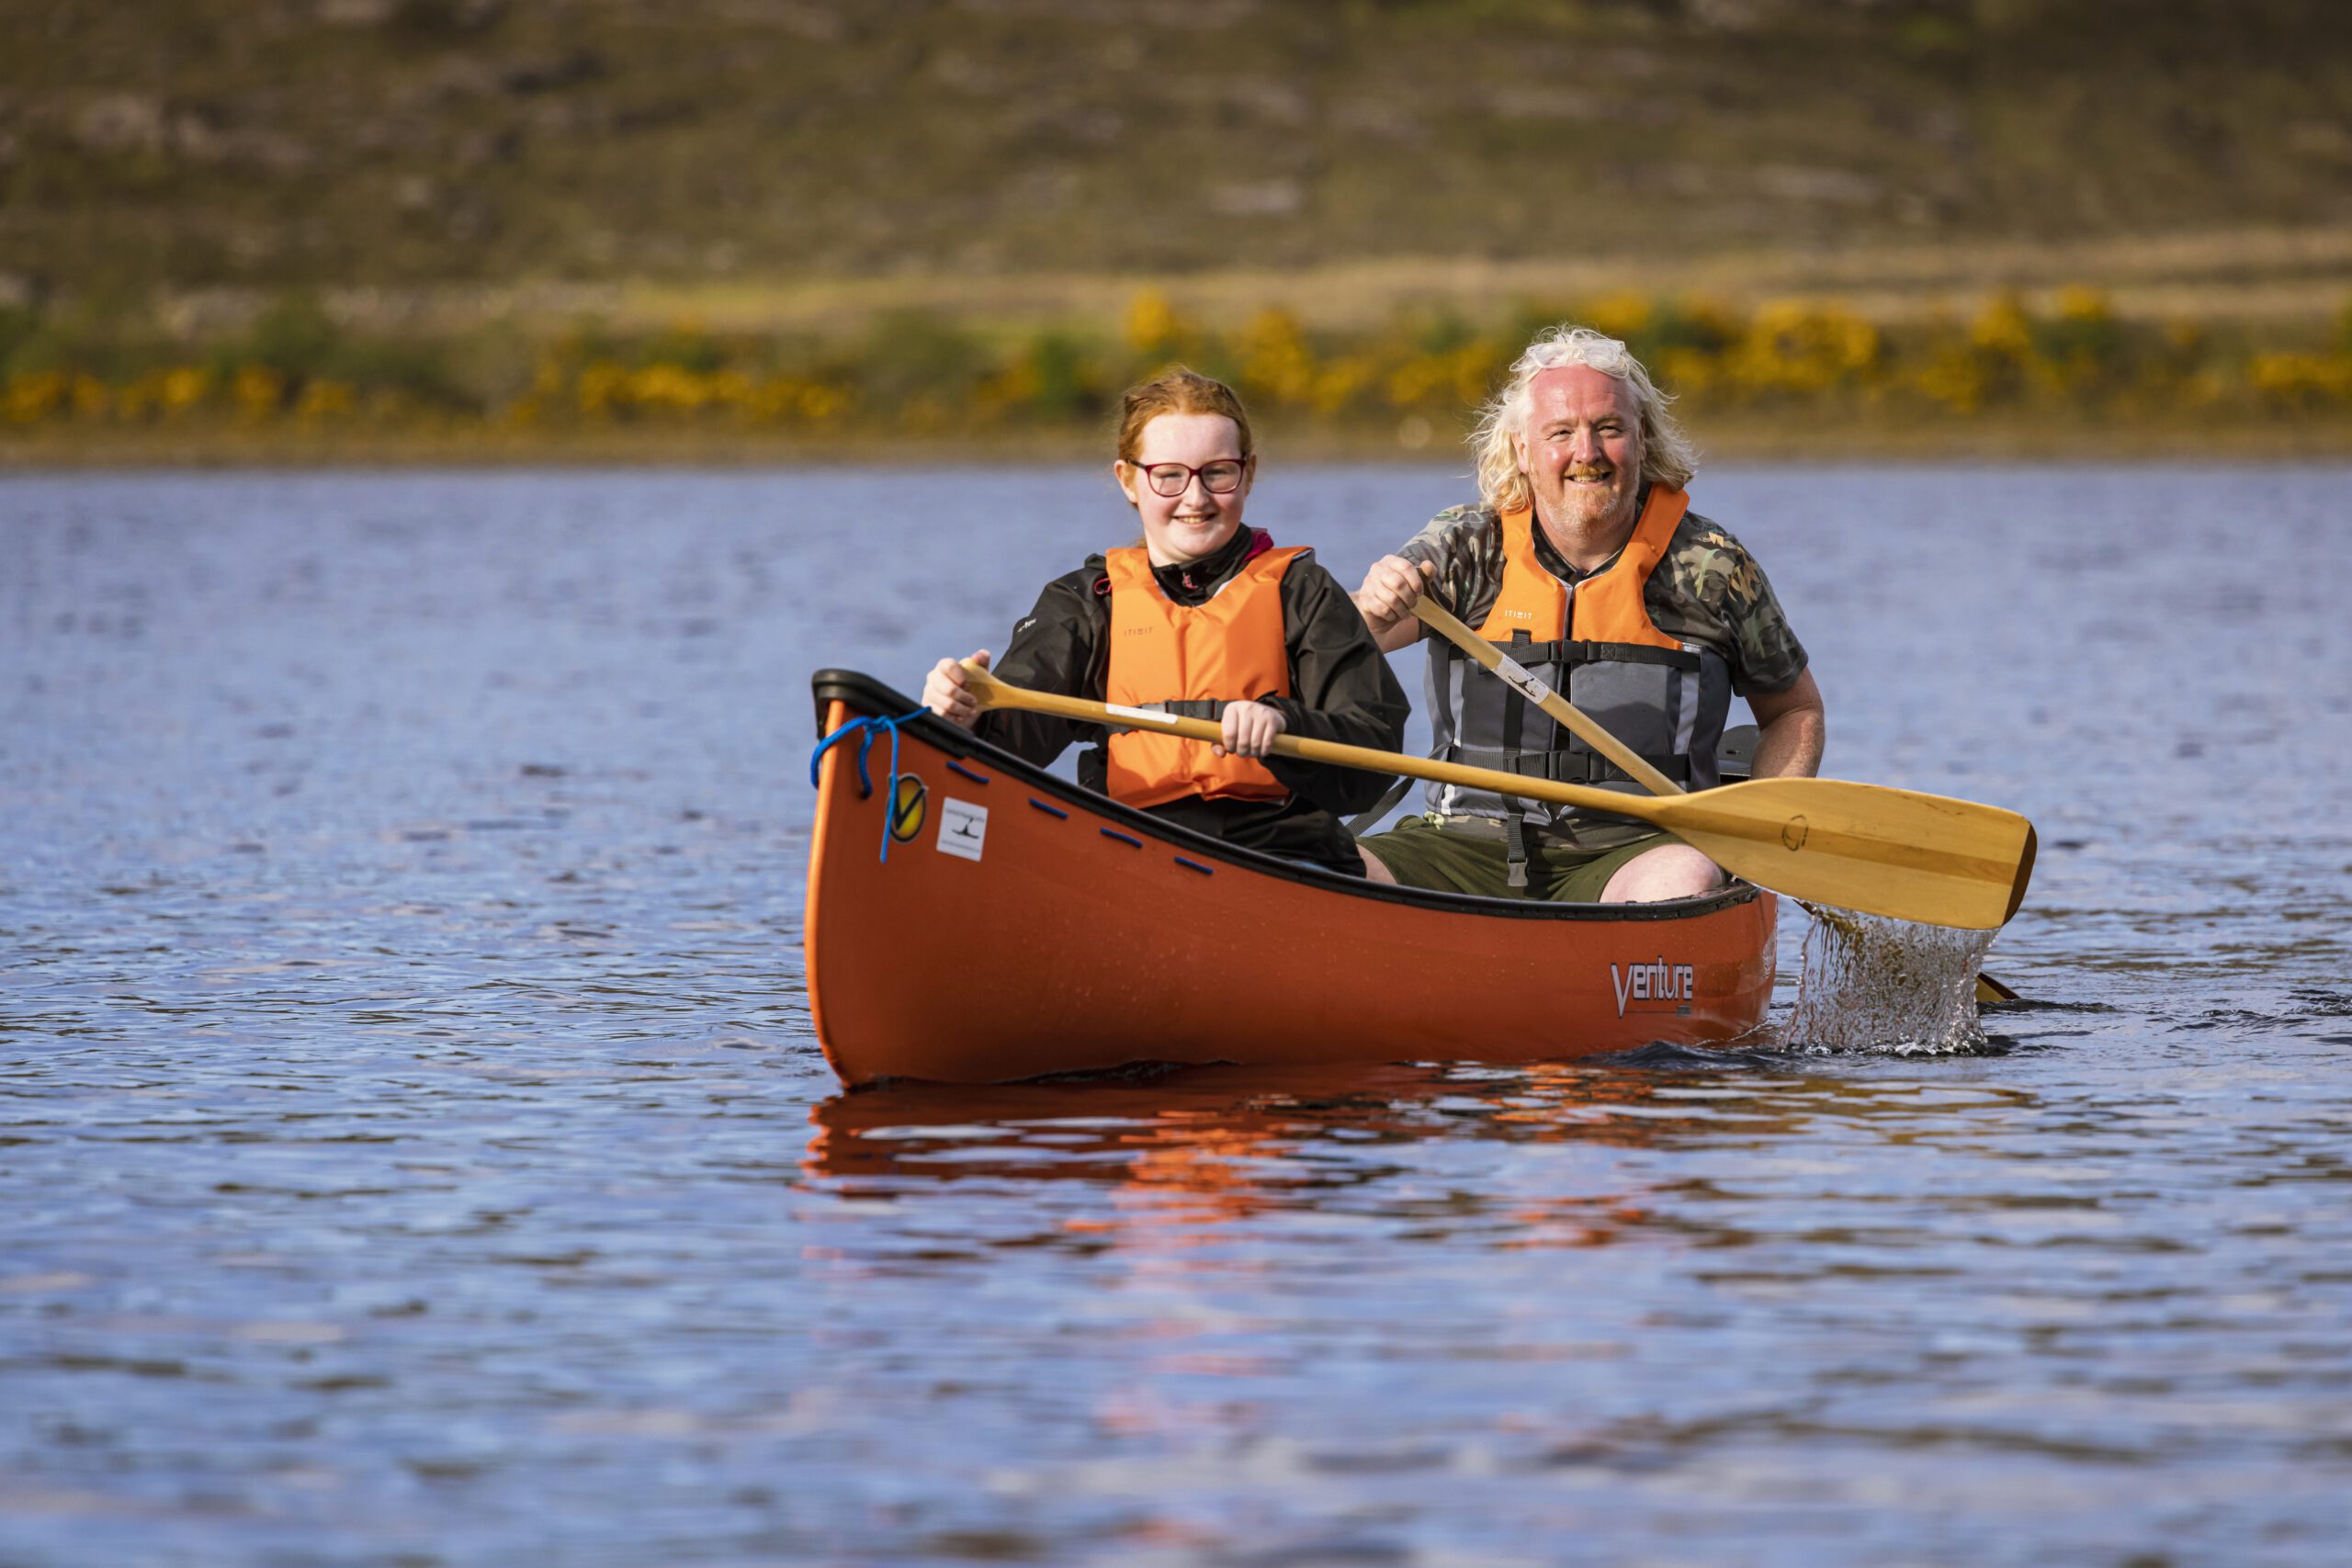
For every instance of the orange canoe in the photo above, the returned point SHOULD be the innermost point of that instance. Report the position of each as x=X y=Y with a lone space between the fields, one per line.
x=1019 y=926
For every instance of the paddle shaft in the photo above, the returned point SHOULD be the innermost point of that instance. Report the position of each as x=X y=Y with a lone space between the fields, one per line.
x=994 y=693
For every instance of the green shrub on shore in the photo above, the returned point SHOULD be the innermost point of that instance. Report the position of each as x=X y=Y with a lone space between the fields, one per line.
x=1405 y=380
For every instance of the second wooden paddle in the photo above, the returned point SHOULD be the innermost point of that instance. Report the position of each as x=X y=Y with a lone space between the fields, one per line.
x=1885 y=851
x=1438 y=618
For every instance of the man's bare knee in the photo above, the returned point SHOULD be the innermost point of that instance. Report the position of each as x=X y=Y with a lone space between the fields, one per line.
x=1670 y=871
x=1373 y=870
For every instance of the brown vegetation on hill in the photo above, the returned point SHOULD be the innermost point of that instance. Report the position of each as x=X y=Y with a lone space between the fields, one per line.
x=279 y=142
x=457 y=210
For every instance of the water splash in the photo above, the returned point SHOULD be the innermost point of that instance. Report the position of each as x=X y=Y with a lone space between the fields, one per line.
x=1887 y=987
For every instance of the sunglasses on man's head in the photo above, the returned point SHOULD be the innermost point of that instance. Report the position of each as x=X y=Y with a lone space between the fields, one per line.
x=1610 y=359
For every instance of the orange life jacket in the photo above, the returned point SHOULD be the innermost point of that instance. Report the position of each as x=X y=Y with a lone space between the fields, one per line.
x=1608 y=605
x=1164 y=654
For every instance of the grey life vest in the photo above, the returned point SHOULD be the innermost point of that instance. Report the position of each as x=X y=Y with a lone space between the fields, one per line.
x=1669 y=704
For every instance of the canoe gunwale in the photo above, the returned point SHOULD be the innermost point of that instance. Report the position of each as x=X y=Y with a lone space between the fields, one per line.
x=865 y=695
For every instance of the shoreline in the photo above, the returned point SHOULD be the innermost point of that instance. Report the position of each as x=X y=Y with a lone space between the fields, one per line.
x=1731 y=439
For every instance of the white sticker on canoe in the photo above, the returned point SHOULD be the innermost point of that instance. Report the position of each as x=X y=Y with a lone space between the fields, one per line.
x=963 y=827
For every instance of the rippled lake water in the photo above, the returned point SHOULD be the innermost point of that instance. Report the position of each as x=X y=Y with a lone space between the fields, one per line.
x=413 y=1148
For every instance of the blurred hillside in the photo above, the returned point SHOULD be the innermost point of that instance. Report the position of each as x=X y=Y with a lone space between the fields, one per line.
x=184 y=142
x=470 y=181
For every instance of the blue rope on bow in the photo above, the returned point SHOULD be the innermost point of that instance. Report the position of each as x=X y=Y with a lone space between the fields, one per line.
x=869 y=728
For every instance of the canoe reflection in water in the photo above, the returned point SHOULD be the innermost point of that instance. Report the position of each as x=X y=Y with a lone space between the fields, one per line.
x=1207 y=1145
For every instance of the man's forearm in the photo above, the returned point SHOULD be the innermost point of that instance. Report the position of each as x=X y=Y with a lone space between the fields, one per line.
x=1790 y=746
x=1792 y=726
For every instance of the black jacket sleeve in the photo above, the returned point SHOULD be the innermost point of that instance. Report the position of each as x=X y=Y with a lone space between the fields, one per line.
x=1059 y=646
x=1342 y=690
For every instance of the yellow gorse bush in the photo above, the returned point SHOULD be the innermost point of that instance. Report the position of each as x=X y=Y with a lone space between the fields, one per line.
x=327 y=400
x=260 y=392
x=1153 y=330
x=1274 y=360
x=1413 y=374
x=33 y=397
x=1792 y=347
x=2300 y=380
x=607 y=390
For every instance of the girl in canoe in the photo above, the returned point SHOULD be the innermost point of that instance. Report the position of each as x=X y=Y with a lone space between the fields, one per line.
x=1207 y=617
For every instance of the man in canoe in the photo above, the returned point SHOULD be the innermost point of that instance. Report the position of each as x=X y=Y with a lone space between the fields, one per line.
x=1582 y=562
x=1205 y=617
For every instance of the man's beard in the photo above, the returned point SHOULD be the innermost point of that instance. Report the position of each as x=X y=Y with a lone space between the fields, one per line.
x=1593 y=506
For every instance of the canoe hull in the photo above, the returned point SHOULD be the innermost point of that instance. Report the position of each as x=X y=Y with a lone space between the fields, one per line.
x=1021 y=927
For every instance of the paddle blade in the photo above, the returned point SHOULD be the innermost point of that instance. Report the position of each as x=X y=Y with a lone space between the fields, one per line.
x=1992 y=993
x=1884 y=852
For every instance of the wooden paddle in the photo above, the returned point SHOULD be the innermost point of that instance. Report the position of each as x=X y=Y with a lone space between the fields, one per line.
x=1438 y=618
x=1886 y=852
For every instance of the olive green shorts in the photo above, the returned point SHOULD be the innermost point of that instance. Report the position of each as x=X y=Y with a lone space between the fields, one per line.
x=1420 y=855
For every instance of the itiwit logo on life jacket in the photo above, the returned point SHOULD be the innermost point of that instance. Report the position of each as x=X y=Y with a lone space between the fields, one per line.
x=1656 y=981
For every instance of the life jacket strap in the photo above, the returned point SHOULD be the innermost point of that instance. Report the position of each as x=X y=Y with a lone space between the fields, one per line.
x=1535 y=655
x=1515 y=811
x=1365 y=821
x=1633 y=653
x=1563 y=767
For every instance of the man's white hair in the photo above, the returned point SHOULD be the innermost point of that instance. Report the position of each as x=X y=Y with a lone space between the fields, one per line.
x=1668 y=456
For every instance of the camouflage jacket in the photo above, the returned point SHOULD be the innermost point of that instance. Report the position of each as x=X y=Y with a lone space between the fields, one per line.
x=1708 y=590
